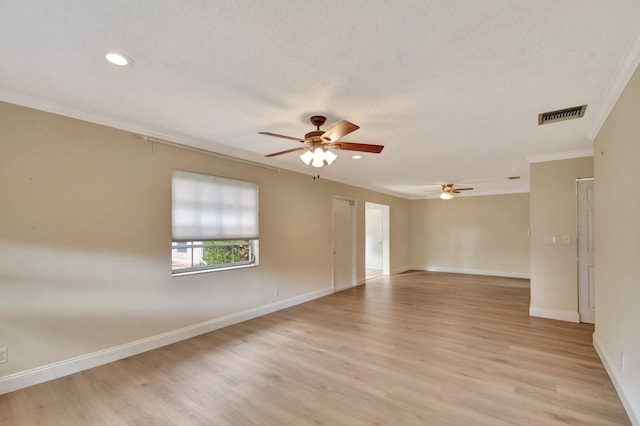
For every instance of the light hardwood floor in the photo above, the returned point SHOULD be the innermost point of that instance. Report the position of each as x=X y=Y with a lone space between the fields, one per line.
x=413 y=349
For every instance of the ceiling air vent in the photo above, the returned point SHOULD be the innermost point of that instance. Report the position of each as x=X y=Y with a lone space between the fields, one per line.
x=561 y=114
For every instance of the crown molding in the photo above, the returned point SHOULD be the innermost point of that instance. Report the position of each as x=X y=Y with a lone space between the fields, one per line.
x=560 y=156
x=626 y=68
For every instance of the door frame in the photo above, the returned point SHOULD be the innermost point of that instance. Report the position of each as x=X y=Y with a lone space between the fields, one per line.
x=386 y=268
x=354 y=243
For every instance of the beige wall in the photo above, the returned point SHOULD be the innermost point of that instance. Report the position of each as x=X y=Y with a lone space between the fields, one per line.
x=617 y=243
x=483 y=235
x=85 y=236
x=554 y=277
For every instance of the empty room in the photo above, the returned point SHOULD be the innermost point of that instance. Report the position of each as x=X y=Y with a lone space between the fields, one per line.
x=340 y=213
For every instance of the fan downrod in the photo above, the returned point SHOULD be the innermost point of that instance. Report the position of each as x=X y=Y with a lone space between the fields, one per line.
x=318 y=120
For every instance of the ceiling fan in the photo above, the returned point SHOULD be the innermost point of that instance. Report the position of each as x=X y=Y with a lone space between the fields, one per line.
x=449 y=190
x=317 y=142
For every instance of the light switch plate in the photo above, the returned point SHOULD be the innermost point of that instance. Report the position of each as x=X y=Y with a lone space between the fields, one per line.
x=4 y=355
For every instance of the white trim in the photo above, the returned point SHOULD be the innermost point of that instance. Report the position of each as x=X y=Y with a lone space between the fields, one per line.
x=626 y=68
x=470 y=271
x=556 y=314
x=401 y=270
x=358 y=283
x=634 y=415
x=560 y=156
x=351 y=182
x=45 y=373
x=167 y=137
x=385 y=213
x=137 y=131
x=386 y=239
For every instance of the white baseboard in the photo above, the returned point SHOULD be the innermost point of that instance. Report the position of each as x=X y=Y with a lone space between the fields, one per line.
x=401 y=270
x=632 y=412
x=470 y=271
x=556 y=314
x=45 y=373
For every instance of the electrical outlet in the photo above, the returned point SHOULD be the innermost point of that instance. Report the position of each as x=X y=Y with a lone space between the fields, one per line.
x=276 y=292
x=4 y=355
x=621 y=361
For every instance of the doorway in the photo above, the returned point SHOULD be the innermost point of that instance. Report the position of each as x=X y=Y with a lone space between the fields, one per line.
x=586 y=278
x=376 y=240
x=344 y=243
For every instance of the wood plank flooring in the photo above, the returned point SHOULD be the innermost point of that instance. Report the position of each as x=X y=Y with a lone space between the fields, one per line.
x=413 y=349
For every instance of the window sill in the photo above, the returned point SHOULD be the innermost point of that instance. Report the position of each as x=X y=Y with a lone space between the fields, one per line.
x=204 y=271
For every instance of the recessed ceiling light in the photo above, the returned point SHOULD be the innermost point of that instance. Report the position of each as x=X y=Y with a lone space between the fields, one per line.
x=357 y=157
x=118 y=59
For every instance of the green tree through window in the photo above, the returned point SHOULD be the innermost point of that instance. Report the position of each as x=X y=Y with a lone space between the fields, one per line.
x=189 y=256
x=227 y=252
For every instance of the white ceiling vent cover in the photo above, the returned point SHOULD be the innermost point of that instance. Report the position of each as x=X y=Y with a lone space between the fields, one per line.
x=561 y=114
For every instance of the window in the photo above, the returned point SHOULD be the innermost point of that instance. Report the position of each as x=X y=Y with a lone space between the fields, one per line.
x=204 y=255
x=214 y=223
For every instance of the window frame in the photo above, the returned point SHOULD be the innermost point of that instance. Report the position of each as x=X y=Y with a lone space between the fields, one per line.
x=183 y=251
x=190 y=245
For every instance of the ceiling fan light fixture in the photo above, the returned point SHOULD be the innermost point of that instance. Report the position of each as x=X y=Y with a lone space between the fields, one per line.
x=318 y=157
x=306 y=157
x=316 y=152
x=329 y=157
x=446 y=195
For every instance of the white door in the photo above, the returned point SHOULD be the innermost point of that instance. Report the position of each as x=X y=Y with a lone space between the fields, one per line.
x=343 y=243
x=586 y=278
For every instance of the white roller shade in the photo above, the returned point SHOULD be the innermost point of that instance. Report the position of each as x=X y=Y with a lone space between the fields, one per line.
x=212 y=208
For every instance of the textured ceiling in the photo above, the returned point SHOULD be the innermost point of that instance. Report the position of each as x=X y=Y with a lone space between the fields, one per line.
x=451 y=88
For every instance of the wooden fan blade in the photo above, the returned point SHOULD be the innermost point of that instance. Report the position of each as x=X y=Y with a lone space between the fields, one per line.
x=339 y=130
x=281 y=136
x=464 y=189
x=285 y=152
x=362 y=147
